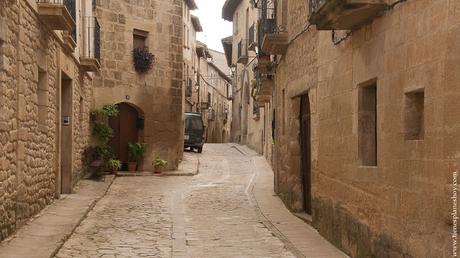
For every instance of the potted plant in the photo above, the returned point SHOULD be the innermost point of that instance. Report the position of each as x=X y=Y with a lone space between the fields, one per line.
x=143 y=59
x=114 y=165
x=159 y=164
x=135 y=153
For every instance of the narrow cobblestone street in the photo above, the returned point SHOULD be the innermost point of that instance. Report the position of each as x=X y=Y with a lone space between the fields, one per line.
x=209 y=215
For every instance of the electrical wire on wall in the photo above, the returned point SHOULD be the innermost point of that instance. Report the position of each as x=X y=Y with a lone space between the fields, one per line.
x=337 y=41
x=212 y=86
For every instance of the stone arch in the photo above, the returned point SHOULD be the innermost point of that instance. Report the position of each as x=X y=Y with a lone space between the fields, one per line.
x=128 y=127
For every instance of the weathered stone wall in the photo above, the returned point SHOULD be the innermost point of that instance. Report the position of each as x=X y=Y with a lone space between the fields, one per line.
x=403 y=201
x=82 y=101
x=8 y=122
x=247 y=125
x=401 y=207
x=158 y=92
x=29 y=130
x=296 y=75
x=36 y=139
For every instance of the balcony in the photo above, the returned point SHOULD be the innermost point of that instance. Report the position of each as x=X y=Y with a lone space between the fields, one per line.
x=275 y=43
x=264 y=64
x=266 y=86
x=242 y=52
x=344 y=14
x=91 y=57
x=57 y=14
x=271 y=40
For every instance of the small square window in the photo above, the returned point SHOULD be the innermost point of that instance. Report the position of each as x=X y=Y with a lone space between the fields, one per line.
x=140 y=38
x=414 y=111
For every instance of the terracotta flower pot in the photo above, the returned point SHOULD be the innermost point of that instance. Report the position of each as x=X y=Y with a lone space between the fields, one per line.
x=132 y=166
x=157 y=169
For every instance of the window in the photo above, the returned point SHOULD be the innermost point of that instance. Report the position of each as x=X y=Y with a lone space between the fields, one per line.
x=414 y=120
x=367 y=125
x=42 y=97
x=140 y=38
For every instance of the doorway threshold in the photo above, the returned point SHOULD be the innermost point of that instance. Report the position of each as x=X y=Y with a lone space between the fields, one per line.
x=304 y=216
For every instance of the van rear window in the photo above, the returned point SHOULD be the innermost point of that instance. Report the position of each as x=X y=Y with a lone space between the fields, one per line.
x=194 y=124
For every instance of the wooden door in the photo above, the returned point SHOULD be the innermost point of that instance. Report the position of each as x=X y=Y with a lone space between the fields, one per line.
x=125 y=130
x=305 y=145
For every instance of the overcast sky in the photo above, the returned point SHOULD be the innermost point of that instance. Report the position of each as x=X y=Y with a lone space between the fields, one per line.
x=214 y=27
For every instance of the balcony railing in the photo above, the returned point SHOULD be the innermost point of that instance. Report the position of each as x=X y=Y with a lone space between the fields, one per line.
x=264 y=87
x=272 y=38
x=242 y=52
x=58 y=14
x=91 y=56
x=343 y=14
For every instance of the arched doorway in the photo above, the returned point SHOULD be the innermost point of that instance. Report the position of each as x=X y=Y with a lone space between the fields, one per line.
x=126 y=127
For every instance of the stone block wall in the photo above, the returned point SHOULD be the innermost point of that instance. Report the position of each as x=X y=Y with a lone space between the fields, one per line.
x=157 y=93
x=30 y=68
x=296 y=75
x=400 y=207
x=8 y=122
x=403 y=201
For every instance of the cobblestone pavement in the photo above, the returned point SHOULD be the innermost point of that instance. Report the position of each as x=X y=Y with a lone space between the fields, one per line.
x=208 y=215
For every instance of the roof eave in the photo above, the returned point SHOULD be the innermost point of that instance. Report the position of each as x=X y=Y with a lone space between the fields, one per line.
x=197 y=24
x=191 y=4
x=229 y=8
x=227 y=45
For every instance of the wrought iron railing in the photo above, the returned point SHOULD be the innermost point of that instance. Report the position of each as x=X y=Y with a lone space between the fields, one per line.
x=70 y=5
x=71 y=8
x=315 y=5
x=266 y=26
x=267 y=20
x=92 y=38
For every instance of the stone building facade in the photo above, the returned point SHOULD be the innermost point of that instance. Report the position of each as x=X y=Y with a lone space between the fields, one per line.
x=218 y=95
x=367 y=133
x=251 y=118
x=151 y=102
x=191 y=27
x=46 y=91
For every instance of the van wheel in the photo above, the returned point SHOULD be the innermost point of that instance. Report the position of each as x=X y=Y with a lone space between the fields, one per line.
x=200 y=149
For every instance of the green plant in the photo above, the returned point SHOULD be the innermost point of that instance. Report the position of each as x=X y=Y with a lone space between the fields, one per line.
x=143 y=59
x=160 y=162
x=109 y=110
x=102 y=152
x=135 y=151
x=114 y=164
x=103 y=132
